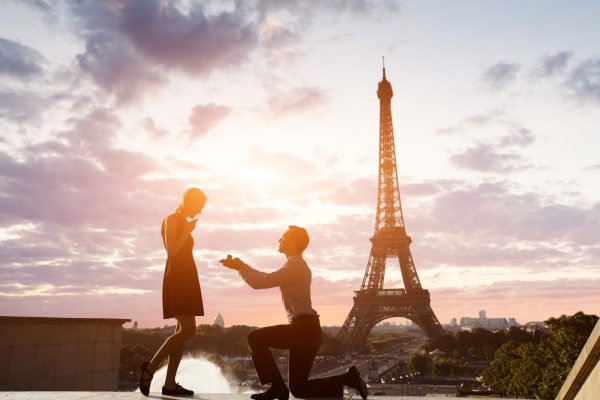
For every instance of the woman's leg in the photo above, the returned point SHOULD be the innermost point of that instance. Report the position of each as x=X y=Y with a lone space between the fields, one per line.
x=174 y=341
x=186 y=325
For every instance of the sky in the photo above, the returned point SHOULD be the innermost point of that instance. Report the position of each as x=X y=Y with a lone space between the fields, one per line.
x=110 y=109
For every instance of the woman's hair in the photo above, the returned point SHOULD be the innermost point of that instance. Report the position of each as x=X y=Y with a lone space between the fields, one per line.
x=191 y=195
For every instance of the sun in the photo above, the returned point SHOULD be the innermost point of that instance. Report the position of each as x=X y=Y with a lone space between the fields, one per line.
x=258 y=175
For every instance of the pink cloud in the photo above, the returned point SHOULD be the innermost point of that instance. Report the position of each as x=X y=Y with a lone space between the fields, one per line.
x=205 y=117
x=297 y=100
x=116 y=69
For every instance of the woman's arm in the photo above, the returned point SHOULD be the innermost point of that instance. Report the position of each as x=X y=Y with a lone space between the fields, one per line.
x=173 y=243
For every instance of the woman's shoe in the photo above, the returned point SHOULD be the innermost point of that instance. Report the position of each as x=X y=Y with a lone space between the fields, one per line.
x=144 y=383
x=354 y=380
x=276 y=391
x=178 y=391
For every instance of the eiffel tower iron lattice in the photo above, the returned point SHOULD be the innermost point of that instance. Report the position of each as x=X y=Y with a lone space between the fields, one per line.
x=373 y=303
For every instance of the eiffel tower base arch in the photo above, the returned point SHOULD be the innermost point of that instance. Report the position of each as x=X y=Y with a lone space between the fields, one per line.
x=368 y=311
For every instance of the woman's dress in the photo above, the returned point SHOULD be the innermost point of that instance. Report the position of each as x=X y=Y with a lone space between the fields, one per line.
x=181 y=288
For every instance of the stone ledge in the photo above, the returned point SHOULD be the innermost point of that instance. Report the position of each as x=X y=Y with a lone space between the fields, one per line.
x=4 y=319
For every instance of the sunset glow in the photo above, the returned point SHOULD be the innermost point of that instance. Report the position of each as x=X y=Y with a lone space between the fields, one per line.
x=271 y=109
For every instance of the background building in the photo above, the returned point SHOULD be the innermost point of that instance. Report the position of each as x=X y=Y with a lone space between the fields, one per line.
x=492 y=324
x=219 y=321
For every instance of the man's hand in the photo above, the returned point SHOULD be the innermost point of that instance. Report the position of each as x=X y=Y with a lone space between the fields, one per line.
x=232 y=263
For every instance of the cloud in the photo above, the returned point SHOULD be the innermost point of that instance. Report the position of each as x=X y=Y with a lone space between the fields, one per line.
x=492 y=155
x=552 y=64
x=480 y=252
x=584 y=82
x=116 y=69
x=203 y=118
x=22 y=106
x=495 y=211
x=471 y=122
x=201 y=38
x=19 y=61
x=78 y=179
x=150 y=126
x=306 y=10
x=193 y=41
x=130 y=45
x=501 y=74
x=357 y=192
x=419 y=189
x=297 y=100
x=275 y=32
x=520 y=137
x=485 y=158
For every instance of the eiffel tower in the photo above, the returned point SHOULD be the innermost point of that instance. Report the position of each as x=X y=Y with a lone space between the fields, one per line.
x=373 y=303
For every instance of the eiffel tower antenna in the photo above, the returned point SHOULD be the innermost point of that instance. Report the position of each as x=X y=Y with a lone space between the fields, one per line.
x=373 y=303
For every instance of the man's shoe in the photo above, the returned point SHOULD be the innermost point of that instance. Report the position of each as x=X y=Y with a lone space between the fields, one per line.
x=276 y=391
x=354 y=380
x=178 y=391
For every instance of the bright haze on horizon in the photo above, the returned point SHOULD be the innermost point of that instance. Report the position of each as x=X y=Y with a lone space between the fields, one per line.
x=110 y=109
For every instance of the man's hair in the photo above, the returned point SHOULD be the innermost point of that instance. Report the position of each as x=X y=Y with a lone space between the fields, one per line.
x=300 y=236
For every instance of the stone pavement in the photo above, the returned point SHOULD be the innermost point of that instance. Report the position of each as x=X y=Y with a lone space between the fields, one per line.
x=138 y=396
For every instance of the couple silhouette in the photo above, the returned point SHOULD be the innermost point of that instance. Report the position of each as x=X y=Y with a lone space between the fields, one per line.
x=182 y=300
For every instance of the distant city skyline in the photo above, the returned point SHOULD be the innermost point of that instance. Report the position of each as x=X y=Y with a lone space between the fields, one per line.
x=109 y=110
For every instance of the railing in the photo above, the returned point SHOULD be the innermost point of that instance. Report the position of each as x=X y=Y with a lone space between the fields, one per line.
x=382 y=292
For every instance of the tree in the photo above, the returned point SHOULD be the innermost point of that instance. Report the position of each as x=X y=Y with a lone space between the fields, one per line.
x=417 y=363
x=566 y=339
x=539 y=369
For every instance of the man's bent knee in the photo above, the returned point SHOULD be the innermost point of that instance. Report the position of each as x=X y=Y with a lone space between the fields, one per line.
x=254 y=338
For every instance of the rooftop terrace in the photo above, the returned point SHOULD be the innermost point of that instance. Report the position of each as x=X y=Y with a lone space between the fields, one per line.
x=138 y=396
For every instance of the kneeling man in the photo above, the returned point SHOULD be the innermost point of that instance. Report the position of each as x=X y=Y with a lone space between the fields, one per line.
x=302 y=336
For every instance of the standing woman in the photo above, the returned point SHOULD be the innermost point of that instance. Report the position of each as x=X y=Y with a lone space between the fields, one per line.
x=182 y=298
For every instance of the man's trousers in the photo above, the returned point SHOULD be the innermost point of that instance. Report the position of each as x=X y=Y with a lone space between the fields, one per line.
x=303 y=339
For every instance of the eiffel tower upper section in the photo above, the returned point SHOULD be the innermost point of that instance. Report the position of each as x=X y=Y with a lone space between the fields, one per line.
x=390 y=238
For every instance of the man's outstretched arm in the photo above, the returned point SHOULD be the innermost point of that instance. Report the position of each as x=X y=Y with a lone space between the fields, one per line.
x=260 y=280
x=257 y=279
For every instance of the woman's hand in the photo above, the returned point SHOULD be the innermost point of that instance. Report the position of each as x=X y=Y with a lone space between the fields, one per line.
x=190 y=225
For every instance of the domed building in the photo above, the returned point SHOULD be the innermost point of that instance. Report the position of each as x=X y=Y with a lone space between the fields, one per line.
x=219 y=320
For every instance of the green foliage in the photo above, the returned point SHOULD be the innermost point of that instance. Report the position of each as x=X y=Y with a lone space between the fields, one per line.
x=539 y=369
x=131 y=358
x=479 y=344
x=382 y=341
x=450 y=367
x=418 y=363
